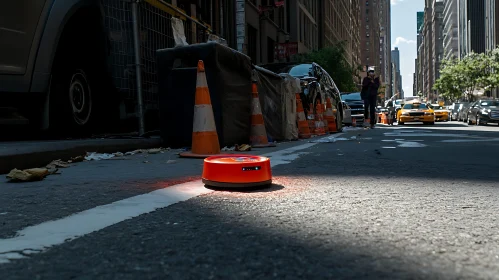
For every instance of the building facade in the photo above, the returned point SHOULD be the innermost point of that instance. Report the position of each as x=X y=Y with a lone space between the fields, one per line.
x=437 y=50
x=340 y=23
x=471 y=26
x=395 y=57
x=451 y=34
x=369 y=35
x=263 y=27
x=385 y=46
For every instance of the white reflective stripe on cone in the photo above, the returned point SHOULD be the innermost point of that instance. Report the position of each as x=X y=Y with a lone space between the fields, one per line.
x=201 y=81
x=255 y=107
x=203 y=118
x=258 y=130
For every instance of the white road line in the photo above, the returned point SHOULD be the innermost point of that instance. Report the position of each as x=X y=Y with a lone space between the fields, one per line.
x=36 y=239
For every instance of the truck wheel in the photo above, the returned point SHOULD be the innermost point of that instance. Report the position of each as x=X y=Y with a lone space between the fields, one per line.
x=71 y=99
x=80 y=97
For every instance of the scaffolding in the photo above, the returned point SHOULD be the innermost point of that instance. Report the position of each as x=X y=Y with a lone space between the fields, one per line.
x=136 y=29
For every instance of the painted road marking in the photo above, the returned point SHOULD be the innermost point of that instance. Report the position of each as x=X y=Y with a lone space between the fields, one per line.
x=470 y=140
x=36 y=239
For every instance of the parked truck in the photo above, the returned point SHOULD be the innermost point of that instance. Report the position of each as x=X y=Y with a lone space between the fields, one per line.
x=70 y=65
x=53 y=64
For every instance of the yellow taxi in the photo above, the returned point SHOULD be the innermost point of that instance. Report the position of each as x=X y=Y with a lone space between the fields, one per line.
x=415 y=112
x=441 y=114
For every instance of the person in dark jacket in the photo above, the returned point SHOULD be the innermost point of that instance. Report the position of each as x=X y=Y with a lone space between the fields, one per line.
x=369 y=94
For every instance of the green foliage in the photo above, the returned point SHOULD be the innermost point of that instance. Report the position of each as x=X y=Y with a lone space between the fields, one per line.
x=459 y=78
x=332 y=59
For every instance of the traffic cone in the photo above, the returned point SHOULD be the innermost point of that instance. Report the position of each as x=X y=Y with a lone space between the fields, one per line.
x=324 y=120
x=304 y=130
x=258 y=138
x=311 y=120
x=204 y=133
x=354 y=122
x=384 y=119
x=331 y=119
x=319 y=123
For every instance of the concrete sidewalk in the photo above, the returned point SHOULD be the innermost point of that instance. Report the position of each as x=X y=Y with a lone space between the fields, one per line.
x=31 y=154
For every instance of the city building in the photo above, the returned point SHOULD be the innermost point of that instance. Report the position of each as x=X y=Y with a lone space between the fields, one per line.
x=419 y=71
x=491 y=24
x=451 y=34
x=437 y=50
x=395 y=57
x=385 y=46
x=471 y=26
x=273 y=31
x=370 y=35
x=339 y=22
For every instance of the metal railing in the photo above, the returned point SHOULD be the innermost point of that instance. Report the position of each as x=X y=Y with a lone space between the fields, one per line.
x=133 y=54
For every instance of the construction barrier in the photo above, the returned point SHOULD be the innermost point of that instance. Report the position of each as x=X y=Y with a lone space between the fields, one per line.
x=258 y=138
x=229 y=76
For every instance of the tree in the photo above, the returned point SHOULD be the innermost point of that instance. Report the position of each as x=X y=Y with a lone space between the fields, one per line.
x=449 y=85
x=332 y=59
x=463 y=77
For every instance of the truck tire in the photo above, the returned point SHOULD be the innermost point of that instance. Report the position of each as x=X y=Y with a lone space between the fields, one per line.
x=71 y=96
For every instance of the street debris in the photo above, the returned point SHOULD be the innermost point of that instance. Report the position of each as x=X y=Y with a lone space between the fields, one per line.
x=171 y=161
x=76 y=159
x=237 y=148
x=98 y=156
x=27 y=175
x=243 y=148
x=58 y=164
x=37 y=174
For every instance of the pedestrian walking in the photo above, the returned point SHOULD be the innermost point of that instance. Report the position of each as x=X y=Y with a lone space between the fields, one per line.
x=369 y=94
x=391 y=112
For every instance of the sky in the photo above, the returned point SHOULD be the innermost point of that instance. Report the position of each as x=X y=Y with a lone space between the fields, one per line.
x=404 y=36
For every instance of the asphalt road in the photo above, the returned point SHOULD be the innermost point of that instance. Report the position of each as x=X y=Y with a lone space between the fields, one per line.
x=402 y=202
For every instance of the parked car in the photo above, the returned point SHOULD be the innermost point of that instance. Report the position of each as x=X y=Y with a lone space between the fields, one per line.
x=355 y=102
x=484 y=112
x=347 y=113
x=316 y=83
x=463 y=112
x=441 y=113
x=455 y=108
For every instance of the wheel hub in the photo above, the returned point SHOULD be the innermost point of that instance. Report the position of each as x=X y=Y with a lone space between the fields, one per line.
x=80 y=97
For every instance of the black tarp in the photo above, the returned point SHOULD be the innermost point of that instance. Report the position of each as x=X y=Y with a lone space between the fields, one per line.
x=277 y=96
x=270 y=95
x=228 y=73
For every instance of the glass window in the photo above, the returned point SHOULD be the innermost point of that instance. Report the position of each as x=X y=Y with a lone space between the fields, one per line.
x=415 y=106
x=352 y=96
x=300 y=70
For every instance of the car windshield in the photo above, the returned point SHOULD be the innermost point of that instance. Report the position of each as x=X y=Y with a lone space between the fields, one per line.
x=301 y=70
x=437 y=107
x=398 y=102
x=415 y=106
x=489 y=103
x=353 y=96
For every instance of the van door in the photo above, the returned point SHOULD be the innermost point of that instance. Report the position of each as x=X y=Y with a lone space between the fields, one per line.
x=18 y=22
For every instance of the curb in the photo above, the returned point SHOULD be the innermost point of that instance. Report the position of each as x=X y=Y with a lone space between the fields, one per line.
x=23 y=155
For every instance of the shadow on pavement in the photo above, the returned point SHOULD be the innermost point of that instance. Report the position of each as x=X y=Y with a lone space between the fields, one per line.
x=203 y=238
x=257 y=189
